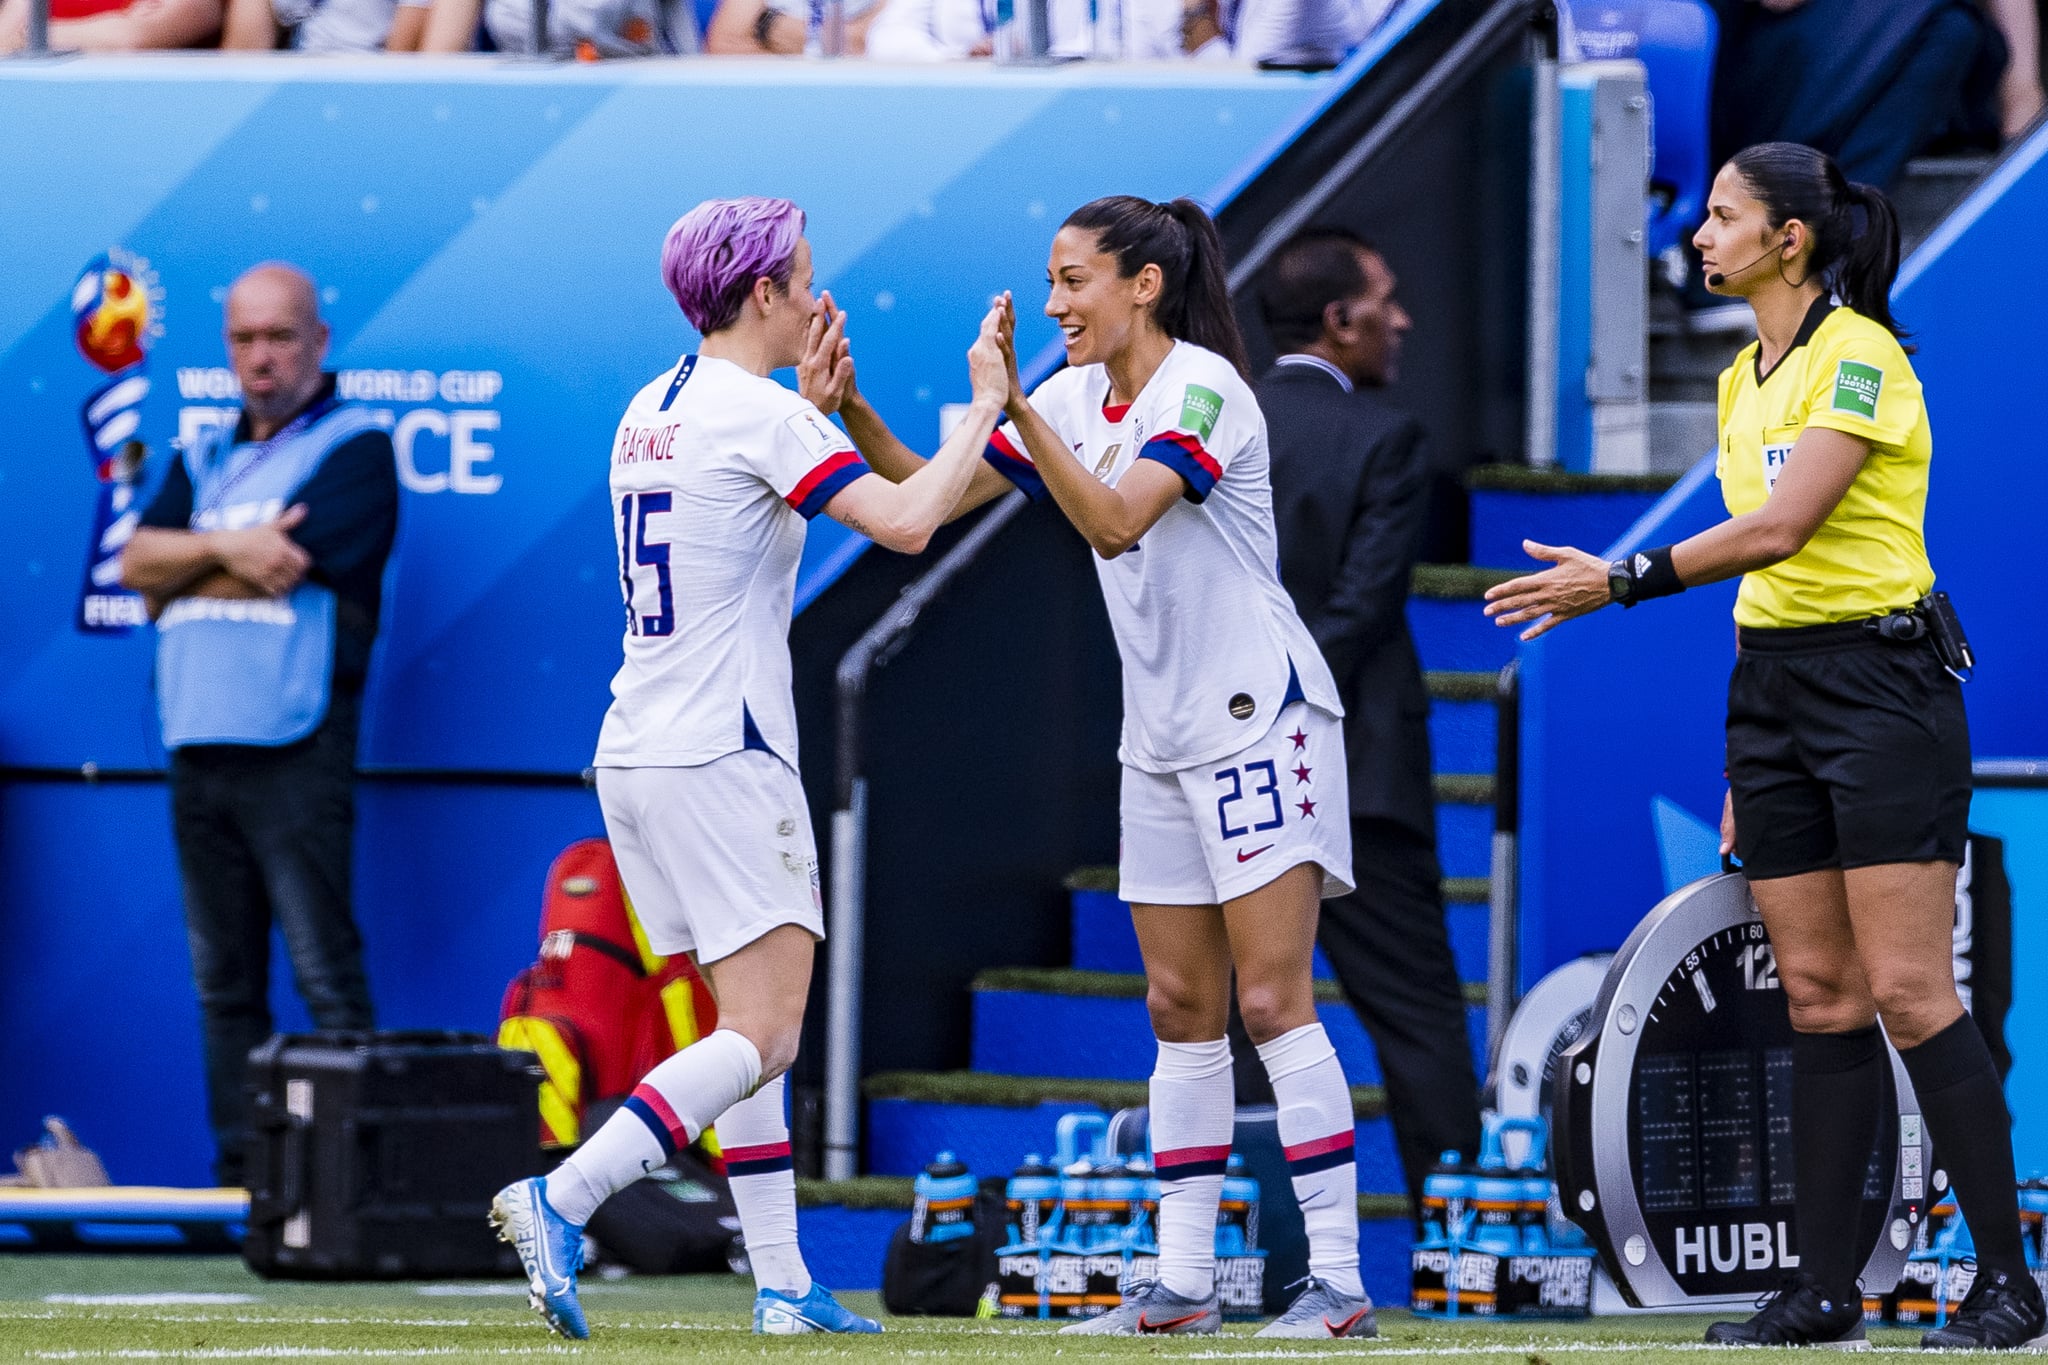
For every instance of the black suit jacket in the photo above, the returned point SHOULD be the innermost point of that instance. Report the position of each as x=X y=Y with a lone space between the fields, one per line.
x=1350 y=503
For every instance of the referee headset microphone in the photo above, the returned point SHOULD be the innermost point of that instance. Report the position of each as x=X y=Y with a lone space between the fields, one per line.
x=1716 y=278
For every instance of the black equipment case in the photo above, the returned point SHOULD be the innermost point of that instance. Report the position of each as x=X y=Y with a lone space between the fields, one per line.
x=375 y=1155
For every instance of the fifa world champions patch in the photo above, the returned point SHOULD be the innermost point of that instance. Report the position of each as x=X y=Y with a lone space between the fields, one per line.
x=1199 y=409
x=1856 y=389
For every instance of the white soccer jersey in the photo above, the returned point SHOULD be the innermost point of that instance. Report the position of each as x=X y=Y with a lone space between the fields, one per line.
x=1212 y=646
x=714 y=473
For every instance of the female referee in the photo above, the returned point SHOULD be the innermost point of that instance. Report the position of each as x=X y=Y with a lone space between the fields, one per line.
x=1234 y=804
x=1848 y=751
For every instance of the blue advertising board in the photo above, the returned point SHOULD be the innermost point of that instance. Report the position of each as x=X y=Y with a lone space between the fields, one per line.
x=485 y=237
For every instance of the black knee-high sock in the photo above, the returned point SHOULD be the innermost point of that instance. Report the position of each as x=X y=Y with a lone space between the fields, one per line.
x=1964 y=1106
x=1837 y=1092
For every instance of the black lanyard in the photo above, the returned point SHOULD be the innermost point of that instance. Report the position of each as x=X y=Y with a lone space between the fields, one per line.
x=262 y=449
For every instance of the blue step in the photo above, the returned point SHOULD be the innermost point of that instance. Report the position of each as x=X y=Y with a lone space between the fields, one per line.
x=1383 y=1258
x=1105 y=942
x=1464 y=838
x=844 y=1248
x=1462 y=735
x=1453 y=634
x=1586 y=511
x=992 y=1139
x=1047 y=1032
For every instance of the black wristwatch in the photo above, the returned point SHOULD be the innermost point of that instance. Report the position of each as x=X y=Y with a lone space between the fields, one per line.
x=1621 y=582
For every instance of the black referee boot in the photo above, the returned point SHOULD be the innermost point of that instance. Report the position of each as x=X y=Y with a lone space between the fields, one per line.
x=1798 y=1315
x=2000 y=1313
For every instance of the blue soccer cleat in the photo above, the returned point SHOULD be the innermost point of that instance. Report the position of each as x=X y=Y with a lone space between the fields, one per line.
x=779 y=1315
x=550 y=1248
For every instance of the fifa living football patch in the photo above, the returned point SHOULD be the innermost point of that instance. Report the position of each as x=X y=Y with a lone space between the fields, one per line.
x=1856 y=388
x=1199 y=409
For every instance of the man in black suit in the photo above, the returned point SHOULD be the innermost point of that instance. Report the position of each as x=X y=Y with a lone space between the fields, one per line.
x=1350 y=501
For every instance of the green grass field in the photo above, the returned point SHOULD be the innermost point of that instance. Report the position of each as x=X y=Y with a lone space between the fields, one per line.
x=210 y=1308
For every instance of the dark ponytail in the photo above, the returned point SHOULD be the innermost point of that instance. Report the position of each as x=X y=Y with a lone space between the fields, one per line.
x=1856 y=261
x=1179 y=238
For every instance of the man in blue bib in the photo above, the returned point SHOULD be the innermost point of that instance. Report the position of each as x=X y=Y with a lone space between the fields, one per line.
x=262 y=560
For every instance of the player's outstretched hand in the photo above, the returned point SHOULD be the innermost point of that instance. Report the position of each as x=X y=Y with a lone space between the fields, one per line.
x=987 y=370
x=825 y=374
x=1006 y=334
x=1577 y=585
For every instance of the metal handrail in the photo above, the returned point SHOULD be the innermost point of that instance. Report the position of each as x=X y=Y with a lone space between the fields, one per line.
x=847 y=921
x=1503 y=931
x=847 y=911
x=38 y=38
x=1492 y=30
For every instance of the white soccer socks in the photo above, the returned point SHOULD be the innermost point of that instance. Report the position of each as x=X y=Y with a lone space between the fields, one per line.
x=1193 y=1110
x=1316 y=1131
x=665 y=1111
x=754 y=1137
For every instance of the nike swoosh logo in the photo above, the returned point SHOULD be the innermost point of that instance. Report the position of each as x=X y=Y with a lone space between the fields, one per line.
x=1338 y=1329
x=1247 y=857
x=1145 y=1325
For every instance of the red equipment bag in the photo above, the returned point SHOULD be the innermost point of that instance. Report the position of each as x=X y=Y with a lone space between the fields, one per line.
x=600 y=1008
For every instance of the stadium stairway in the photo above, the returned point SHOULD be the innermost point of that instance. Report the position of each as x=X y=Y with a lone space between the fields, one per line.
x=1047 y=1041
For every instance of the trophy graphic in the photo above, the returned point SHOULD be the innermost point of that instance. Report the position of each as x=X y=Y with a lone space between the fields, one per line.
x=117 y=314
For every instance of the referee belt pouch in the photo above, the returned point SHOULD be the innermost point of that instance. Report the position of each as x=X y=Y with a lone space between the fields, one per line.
x=375 y=1155
x=946 y=1279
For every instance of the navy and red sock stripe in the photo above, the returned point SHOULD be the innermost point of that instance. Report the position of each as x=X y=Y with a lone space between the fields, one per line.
x=1185 y=1163
x=651 y=1109
x=1320 y=1154
x=765 y=1159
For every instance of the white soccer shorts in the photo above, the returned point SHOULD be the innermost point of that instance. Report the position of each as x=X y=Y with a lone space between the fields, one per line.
x=1211 y=833
x=716 y=855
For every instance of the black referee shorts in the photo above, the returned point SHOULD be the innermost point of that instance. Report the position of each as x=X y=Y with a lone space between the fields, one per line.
x=1844 y=750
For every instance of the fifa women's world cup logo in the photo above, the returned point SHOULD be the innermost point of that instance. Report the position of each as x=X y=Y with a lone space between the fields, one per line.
x=117 y=314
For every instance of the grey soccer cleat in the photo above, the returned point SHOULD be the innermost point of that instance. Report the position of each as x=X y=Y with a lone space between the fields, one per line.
x=1151 y=1309
x=1320 y=1313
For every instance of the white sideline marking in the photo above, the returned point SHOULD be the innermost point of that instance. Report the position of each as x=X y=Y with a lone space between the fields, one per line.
x=319 y=1352
x=151 y=1300
x=472 y=1291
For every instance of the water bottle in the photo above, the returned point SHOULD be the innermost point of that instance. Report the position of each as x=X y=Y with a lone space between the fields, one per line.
x=1032 y=1198
x=1121 y=1193
x=2034 y=1221
x=1237 y=1216
x=942 y=1203
x=1446 y=1191
x=1145 y=1238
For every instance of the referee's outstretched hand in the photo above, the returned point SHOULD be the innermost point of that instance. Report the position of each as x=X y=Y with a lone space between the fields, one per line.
x=1577 y=585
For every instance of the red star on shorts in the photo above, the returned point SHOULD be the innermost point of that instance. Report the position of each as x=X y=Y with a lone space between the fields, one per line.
x=1299 y=737
x=1307 y=808
x=1301 y=774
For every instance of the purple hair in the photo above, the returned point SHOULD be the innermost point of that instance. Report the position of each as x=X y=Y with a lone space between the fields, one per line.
x=716 y=251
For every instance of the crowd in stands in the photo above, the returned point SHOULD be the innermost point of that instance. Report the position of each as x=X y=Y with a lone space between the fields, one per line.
x=1304 y=33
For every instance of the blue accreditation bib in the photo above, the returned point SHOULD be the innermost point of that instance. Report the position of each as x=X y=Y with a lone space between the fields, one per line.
x=251 y=671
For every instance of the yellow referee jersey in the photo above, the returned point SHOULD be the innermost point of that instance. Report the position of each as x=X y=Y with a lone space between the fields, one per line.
x=1847 y=373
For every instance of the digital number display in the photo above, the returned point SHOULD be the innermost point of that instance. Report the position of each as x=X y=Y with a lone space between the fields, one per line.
x=1711 y=1113
x=1667 y=1153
